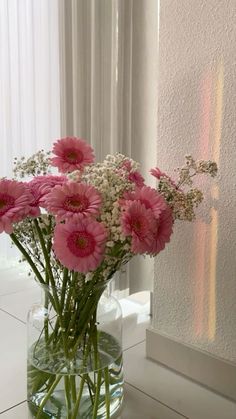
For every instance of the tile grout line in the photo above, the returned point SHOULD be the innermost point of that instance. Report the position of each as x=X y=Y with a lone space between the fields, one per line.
x=146 y=394
x=135 y=344
x=12 y=315
x=12 y=407
x=156 y=400
x=9 y=293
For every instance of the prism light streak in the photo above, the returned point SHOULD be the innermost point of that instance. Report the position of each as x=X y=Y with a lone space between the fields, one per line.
x=200 y=255
x=214 y=215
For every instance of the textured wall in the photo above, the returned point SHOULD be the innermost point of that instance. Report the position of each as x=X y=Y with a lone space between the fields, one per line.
x=195 y=277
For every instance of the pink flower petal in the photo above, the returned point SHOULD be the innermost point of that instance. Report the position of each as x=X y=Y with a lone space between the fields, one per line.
x=162 y=232
x=15 y=201
x=147 y=196
x=80 y=246
x=73 y=200
x=71 y=154
x=39 y=187
x=157 y=173
x=138 y=222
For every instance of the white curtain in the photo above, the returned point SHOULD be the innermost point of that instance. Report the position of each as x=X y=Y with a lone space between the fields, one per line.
x=80 y=67
x=29 y=85
x=96 y=97
x=108 y=56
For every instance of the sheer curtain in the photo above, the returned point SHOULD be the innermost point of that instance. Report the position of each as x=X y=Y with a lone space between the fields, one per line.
x=80 y=67
x=108 y=56
x=29 y=85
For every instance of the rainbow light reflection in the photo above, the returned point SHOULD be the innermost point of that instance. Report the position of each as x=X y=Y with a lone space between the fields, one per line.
x=211 y=127
x=214 y=214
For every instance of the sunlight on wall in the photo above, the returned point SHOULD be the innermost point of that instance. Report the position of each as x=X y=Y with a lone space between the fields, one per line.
x=205 y=288
x=214 y=213
x=200 y=227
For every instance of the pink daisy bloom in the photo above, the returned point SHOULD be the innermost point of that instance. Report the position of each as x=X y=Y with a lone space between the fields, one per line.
x=149 y=197
x=162 y=232
x=138 y=222
x=133 y=176
x=34 y=210
x=39 y=187
x=80 y=246
x=71 y=154
x=157 y=173
x=126 y=164
x=136 y=178
x=73 y=200
x=15 y=200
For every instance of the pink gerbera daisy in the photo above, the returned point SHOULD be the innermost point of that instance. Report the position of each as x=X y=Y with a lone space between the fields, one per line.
x=39 y=187
x=162 y=231
x=73 y=200
x=133 y=175
x=72 y=154
x=149 y=197
x=126 y=164
x=136 y=178
x=15 y=200
x=138 y=222
x=157 y=173
x=80 y=246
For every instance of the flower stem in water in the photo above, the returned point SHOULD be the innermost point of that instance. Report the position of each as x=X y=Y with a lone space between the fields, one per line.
x=47 y=396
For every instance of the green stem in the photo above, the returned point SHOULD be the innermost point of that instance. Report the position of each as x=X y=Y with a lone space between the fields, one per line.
x=96 y=367
x=64 y=284
x=55 y=332
x=27 y=257
x=86 y=315
x=51 y=279
x=45 y=252
x=70 y=292
x=85 y=376
x=69 y=310
x=90 y=383
x=97 y=394
x=89 y=287
x=73 y=388
x=76 y=408
x=68 y=397
x=46 y=306
x=107 y=391
x=91 y=387
x=47 y=396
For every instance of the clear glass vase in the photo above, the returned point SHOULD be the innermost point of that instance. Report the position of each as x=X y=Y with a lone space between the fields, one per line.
x=75 y=354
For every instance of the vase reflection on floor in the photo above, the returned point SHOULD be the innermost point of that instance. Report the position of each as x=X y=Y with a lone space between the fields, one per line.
x=87 y=385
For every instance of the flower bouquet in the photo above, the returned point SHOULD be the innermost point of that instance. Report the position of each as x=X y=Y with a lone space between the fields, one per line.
x=76 y=230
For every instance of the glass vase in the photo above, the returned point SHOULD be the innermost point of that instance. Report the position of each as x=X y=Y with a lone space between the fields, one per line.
x=75 y=354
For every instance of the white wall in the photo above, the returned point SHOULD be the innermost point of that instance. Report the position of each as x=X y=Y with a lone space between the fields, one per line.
x=195 y=277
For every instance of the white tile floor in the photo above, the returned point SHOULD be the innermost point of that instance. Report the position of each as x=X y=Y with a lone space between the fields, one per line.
x=151 y=391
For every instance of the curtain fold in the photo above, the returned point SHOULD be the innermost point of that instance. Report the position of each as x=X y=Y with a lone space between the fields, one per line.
x=95 y=46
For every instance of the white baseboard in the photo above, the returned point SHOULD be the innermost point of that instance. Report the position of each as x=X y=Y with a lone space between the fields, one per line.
x=208 y=370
